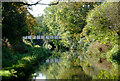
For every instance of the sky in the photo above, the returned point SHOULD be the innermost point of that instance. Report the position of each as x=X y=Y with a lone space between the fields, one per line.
x=38 y=9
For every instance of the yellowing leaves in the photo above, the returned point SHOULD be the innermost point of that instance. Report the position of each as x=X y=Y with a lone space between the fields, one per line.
x=60 y=21
x=71 y=35
x=28 y=32
x=32 y=35
x=31 y=22
x=74 y=29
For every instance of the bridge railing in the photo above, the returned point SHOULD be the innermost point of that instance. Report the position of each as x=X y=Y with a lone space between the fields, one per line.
x=41 y=37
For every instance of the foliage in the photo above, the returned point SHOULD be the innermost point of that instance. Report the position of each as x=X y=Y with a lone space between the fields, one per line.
x=17 y=66
x=39 y=29
x=16 y=22
x=103 y=30
x=100 y=24
x=66 y=20
x=90 y=34
x=106 y=75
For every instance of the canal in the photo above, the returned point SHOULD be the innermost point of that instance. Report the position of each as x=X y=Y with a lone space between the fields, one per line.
x=60 y=68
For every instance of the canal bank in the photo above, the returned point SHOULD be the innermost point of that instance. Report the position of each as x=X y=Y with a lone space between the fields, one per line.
x=21 y=66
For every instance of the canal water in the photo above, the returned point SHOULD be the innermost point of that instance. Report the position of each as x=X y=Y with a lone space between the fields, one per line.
x=55 y=71
x=39 y=75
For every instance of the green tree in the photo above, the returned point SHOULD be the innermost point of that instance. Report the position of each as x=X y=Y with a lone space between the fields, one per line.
x=102 y=32
x=16 y=21
x=67 y=20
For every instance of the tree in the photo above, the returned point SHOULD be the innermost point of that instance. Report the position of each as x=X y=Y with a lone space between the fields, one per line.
x=67 y=19
x=38 y=2
x=39 y=28
x=103 y=21
x=101 y=32
x=16 y=23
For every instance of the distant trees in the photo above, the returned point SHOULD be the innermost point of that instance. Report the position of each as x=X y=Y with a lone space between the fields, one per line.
x=39 y=28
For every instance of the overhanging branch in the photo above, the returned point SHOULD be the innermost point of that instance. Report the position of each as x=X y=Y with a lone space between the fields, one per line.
x=39 y=3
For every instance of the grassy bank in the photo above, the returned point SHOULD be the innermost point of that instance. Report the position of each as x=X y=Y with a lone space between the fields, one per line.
x=19 y=67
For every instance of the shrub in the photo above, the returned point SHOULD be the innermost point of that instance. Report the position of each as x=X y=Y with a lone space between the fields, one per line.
x=102 y=23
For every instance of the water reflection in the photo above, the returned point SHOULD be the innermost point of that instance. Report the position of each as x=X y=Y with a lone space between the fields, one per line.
x=39 y=76
x=60 y=69
x=54 y=60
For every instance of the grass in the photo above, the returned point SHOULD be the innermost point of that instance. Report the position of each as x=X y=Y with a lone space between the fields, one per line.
x=20 y=66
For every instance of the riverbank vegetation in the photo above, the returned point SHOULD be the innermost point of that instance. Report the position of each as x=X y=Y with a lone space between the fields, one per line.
x=92 y=35
x=20 y=58
x=21 y=66
x=89 y=47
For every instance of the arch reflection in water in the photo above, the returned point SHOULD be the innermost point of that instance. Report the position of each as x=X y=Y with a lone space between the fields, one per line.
x=39 y=76
x=54 y=60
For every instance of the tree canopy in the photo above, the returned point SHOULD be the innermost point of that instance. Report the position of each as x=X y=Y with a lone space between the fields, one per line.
x=17 y=21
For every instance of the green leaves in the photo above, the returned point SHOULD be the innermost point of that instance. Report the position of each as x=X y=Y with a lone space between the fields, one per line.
x=16 y=22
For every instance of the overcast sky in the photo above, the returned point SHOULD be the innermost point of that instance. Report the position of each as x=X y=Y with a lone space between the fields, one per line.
x=38 y=9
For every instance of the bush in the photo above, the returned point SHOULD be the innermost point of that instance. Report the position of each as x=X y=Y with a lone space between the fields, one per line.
x=17 y=66
x=102 y=23
x=103 y=27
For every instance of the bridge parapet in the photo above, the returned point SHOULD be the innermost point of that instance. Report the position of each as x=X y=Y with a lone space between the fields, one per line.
x=42 y=37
